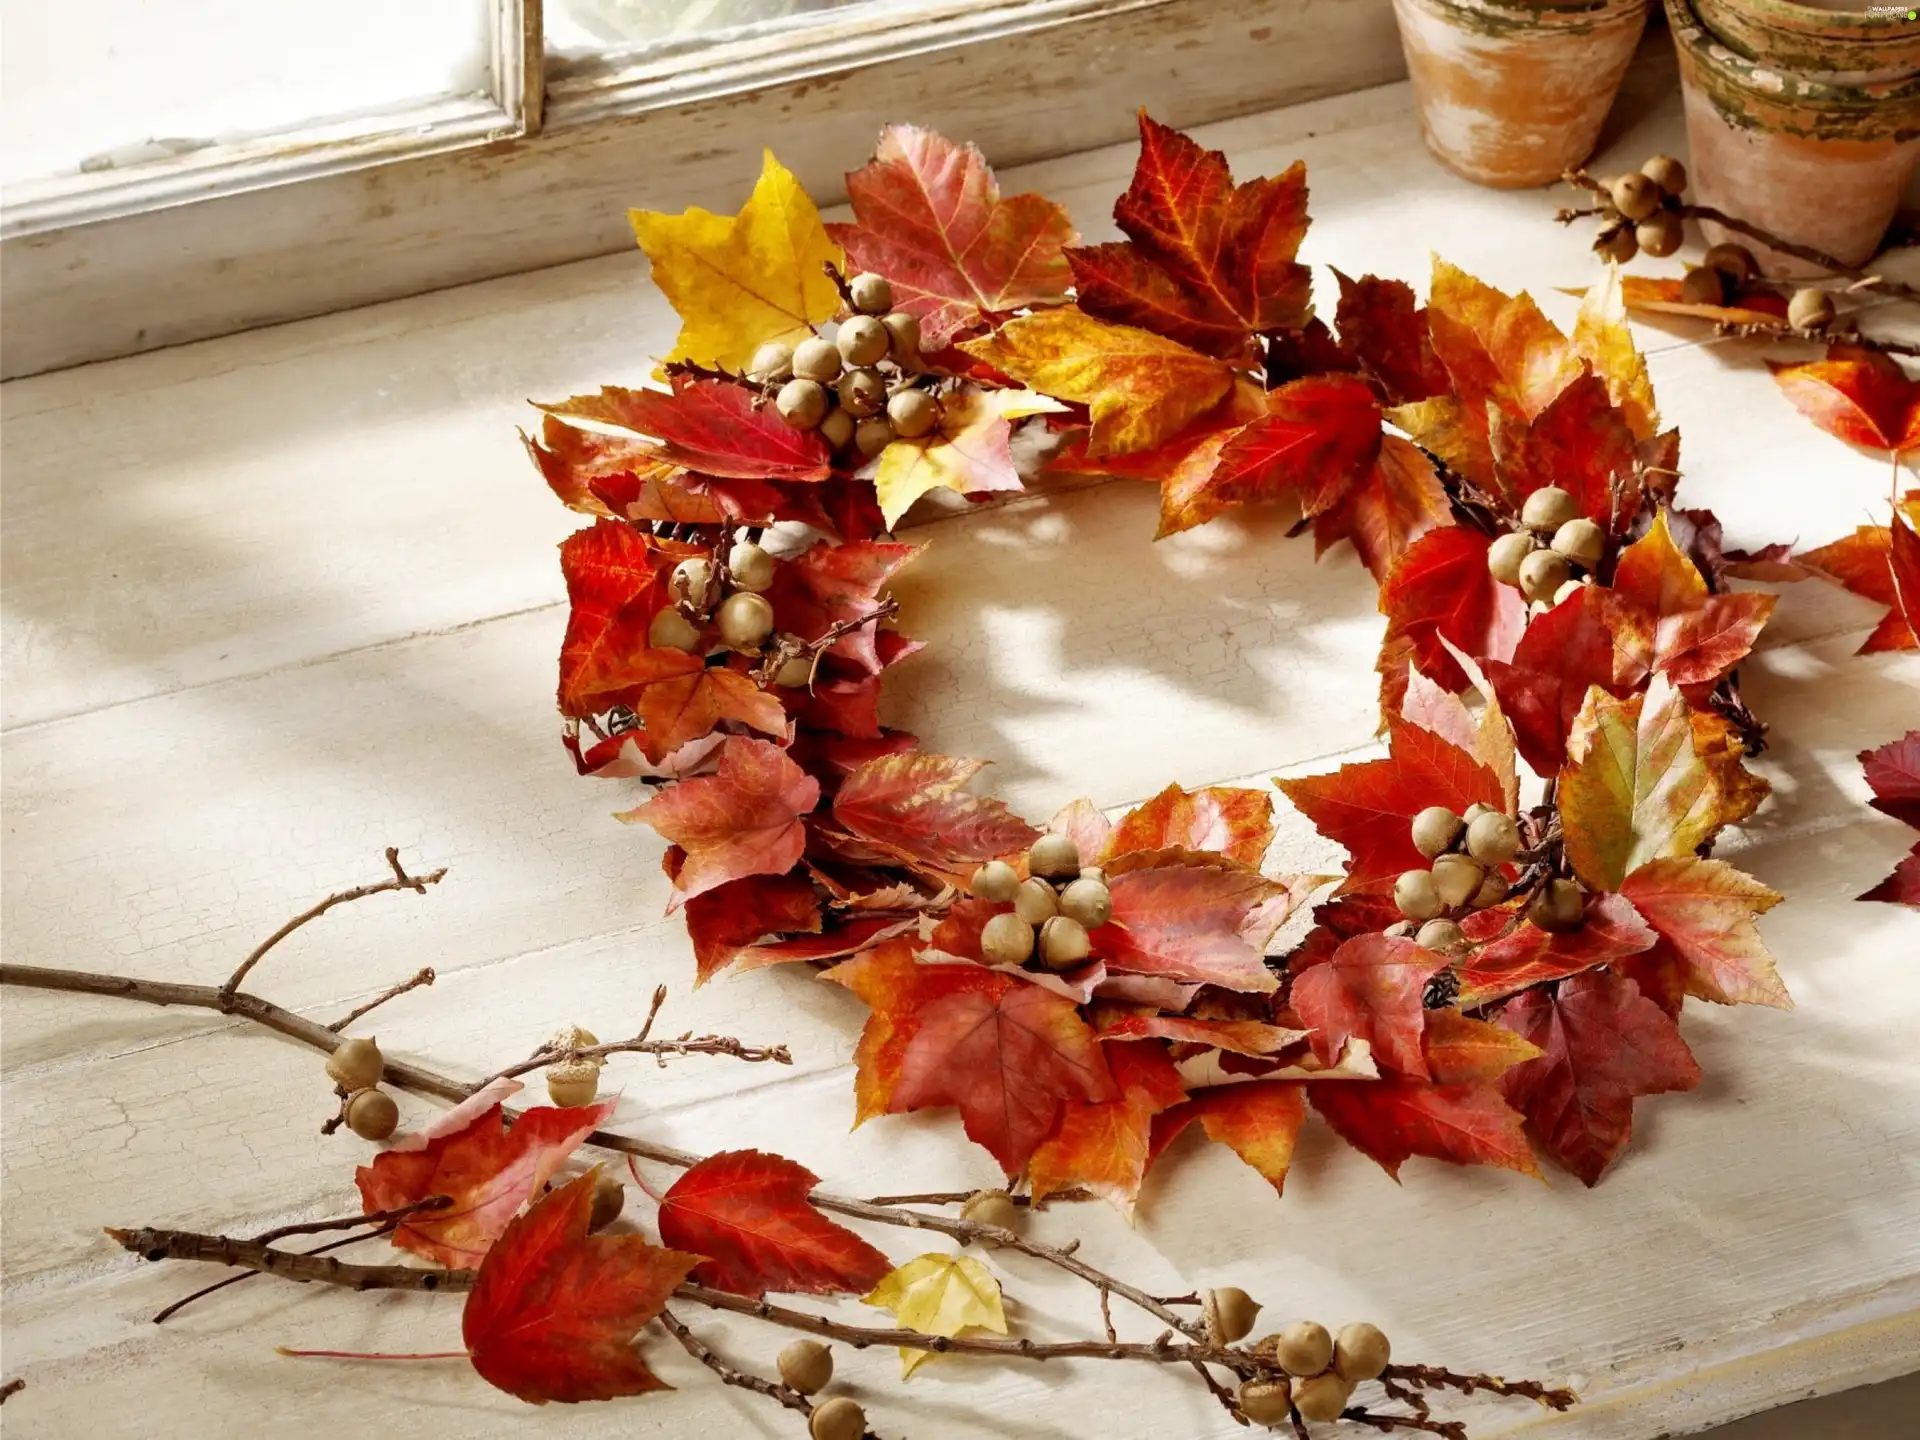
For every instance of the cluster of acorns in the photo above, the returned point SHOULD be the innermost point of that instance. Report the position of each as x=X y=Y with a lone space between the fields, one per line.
x=729 y=596
x=1466 y=852
x=806 y=1366
x=860 y=389
x=1553 y=541
x=356 y=1067
x=574 y=1079
x=1322 y=1368
x=1054 y=908
x=1641 y=211
x=1727 y=269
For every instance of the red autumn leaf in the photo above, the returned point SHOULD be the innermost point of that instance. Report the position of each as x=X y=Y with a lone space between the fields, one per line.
x=747 y=1212
x=585 y=468
x=744 y=819
x=1104 y=1147
x=488 y=1170
x=916 y=804
x=1182 y=921
x=1258 y=1120
x=1647 y=295
x=928 y=215
x=1893 y=774
x=1383 y=327
x=1579 y=442
x=1389 y=1121
x=830 y=584
x=1563 y=654
x=711 y=426
x=1703 y=911
x=1882 y=564
x=1498 y=349
x=680 y=708
x=1242 y=1037
x=1603 y=1044
x=1461 y=1050
x=1183 y=461
x=724 y=921
x=554 y=1312
x=1902 y=887
x=1370 y=990
x=1233 y=822
x=616 y=583
x=1663 y=618
x=1441 y=591
x=1399 y=501
x=1860 y=395
x=1368 y=808
x=1209 y=263
x=1008 y=1054
x=1527 y=955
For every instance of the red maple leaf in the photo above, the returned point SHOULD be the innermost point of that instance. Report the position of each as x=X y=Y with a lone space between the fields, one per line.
x=829 y=584
x=747 y=1212
x=1258 y=1120
x=1527 y=955
x=486 y=1169
x=1400 y=500
x=1368 y=808
x=1579 y=442
x=1603 y=1045
x=1234 y=822
x=929 y=216
x=1384 y=328
x=1857 y=394
x=679 y=708
x=711 y=426
x=1440 y=590
x=744 y=819
x=1206 y=262
x=1882 y=564
x=1242 y=1037
x=1902 y=887
x=916 y=804
x=1563 y=654
x=1105 y=1146
x=554 y=1312
x=1180 y=918
x=730 y=918
x=1702 y=911
x=1893 y=774
x=1389 y=1121
x=1664 y=620
x=1369 y=989
x=616 y=583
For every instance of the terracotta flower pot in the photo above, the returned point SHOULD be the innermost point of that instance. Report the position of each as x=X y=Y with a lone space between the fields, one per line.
x=1513 y=93
x=1817 y=155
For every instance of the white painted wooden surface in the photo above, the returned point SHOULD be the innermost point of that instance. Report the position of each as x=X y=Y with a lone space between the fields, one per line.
x=275 y=601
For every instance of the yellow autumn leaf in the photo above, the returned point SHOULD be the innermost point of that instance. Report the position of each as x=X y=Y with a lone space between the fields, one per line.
x=968 y=453
x=939 y=1295
x=1600 y=335
x=739 y=281
x=1142 y=388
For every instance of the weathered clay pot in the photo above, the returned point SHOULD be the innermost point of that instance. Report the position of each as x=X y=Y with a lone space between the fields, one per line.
x=1513 y=93
x=1819 y=156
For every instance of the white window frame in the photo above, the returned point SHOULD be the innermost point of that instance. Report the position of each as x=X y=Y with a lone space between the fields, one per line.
x=540 y=170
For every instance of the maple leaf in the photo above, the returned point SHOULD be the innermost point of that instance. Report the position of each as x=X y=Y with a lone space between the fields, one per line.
x=1089 y=829
x=1440 y=593
x=727 y=920
x=1563 y=654
x=1187 y=458
x=1367 y=808
x=1635 y=788
x=487 y=1170
x=1008 y=1054
x=1579 y=442
x=1384 y=328
x=741 y=280
x=939 y=1295
x=742 y=820
x=827 y=585
x=1233 y=822
x=1703 y=912
x=1142 y=388
x=1859 y=395
x=554 y=1311
x=1369 y=989
x=1902 y=887
x=1881 y=563
x=1182 y=920
x=971 y=452
x=1652 y=296
x=1601 y=336
x=1400 y=500
x=1527 y=955
x=915 y=804
x=677 y=709
x=928 y=215
x=578 y=465
x=747 y=1212
x=1893 y=774
x=1389 y=1121
x=1242 y=1037
x=1319 y=438
x=1104 y=1147
x=1259 y=1120
x=1460 y=1049
x=1602 y=1045
x=711 y=426
x=616 y=583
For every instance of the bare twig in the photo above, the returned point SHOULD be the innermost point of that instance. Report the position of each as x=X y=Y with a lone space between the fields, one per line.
x=783 y=1394
x=424 y=976
x=1373 y=1420
x=713 y=372
x=354 y=1222
x=1433 y=1377
x=168 y=1312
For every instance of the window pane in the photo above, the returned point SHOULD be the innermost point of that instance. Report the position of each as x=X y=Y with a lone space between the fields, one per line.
x=588 y=27
x=92 y=78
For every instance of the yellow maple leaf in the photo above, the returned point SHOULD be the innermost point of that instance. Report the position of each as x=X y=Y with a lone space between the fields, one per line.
x=1600 y=334
x=967 y=454
x=1142 y=388
x=739 y=281
x=939 y=1295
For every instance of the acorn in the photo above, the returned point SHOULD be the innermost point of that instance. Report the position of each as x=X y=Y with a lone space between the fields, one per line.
x=837 y=429
x=837 y=1419
x=1006 y=939
x=1735 y=262
x=1303 y=1348
x=1542 y=573
x=863 y=393
x=914 y=413
x=744 y=620
x=750 y=566
x=1035 y=901
x=1565 y=593
x=863 y=340
x=1435 y=829
x=1456 y=879
x=1400 y=930
x=1322 y=1397
x=873 y=435
x=772 y=363
x=1617 y=244
x=996 y=880
x=1581 y=541
x=1491 y=892
x=1063 y=943
x=1443 y=937
x=1093 y=872
x=1704 y=285
x=1416 y=896
x=1506 y=553
x=1493 y=839
x=1054 y=856
x=1088 y=901
x=872 y=294
x=1229 y=1313
x=991 y=1207
x=1360 y=1353
x=817 y=360
x=1548 y=508
x=1266 y=1402
x=371 y=1114
x=356 y=1064
x=670 y=630
x=1810 y=309
x=905 y=330
x=802 y=403
x=1474 y=811
x=1668 y=173
x=1634 y=195
x=1558 y=905
x=573 y=1082
x=795 y=672
x=806 y=1366
x=1660 y=235
x=609 y=1199
x=692 y=581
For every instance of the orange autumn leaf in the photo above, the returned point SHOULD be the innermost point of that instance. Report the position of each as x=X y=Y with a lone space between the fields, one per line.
x=1180 y=916
x=1663 y=618
x=917 y=806
x=1369 y=989
x=1462 y=1123
x=1649 y=295
x=1703 y=913
x=616 y=583
x=1233 y=822
x=1601 y=336
x=1881 y=563
x=1461 y=1049
x=1398 y=501
x=1612 y=930
x=726 y=921
x=1105 y=1146
x=744 y=819
x=1242 y=1037
x=827 y=585
x=1259 y=1120
x=679 y=708
x=710 y=426
x=554 y=1311
x=1859 y=395
x=1579 y=442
